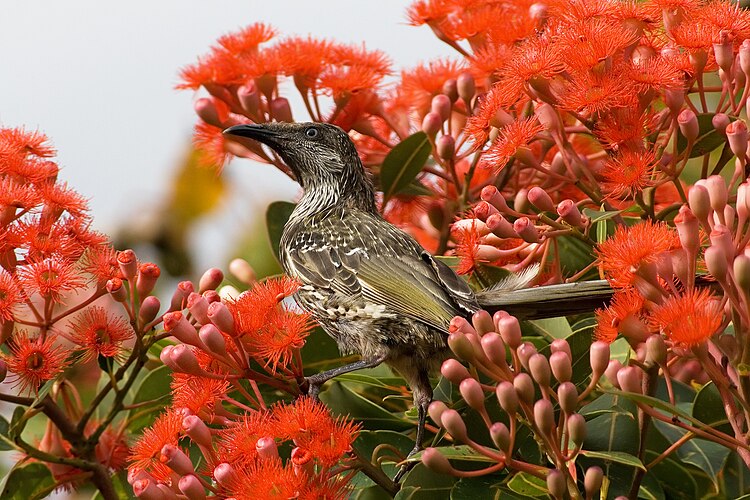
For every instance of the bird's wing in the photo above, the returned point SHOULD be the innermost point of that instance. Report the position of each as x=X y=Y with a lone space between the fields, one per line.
x=366 y=257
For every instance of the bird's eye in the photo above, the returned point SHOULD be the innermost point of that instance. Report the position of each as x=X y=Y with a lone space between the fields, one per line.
x=311 y=132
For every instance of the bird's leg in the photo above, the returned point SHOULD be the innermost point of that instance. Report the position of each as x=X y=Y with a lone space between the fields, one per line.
x=315 y=381
x=422 y=400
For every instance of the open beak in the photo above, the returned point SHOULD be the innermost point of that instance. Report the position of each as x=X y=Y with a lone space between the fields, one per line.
x=260 y=133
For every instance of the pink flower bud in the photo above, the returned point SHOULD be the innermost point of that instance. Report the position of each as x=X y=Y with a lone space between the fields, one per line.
x=466 y=87
x=224 y=474
x=472 y=393
x=577 y=428
x=539 y=368
x=688 y=230
x=136 y=475
x=452 y=422
x=191 y=487
x=459 y=325
x=221 y=317
x=737 y=136
x=500 y=436
x=521 y=201
x=599 y=357
x=3 y=369
x=213 y=340
x=688 y=123
x=721 y=238
x=116 y=290
x=454 y=371
x=561 y=345
x=720 y=121
x=744 y=53
x=526 y=230
x=482 y=322
x=508 y=328
x=674 y=99
x=699 y=202
x=656 y=350
x=550 y=119
x=450 y=89
x=432 y=123
x=461 y=346
x=445 y=146
x=494 y=348
x=249 y=99
x=435 y=410
x=613 y=368
x=175 y=459
x=716 y=262
x=441 y=104
x=210 y=280
x=507 y=397
x=629 y=379
x=569 y=212
x=741 y=267
x=165 y=357
x=180 y=328
x=561 y=367
x=184 y=359
x=197 y=430
x=128 y=263
x=524 y=388
x=491 y=195
x=567 y=395
x=724 y=53
x=302 y=462
x=206 y=111
x=281 y=110
x=243 y=271
x=525 y=352
x=556 y=484
x=540 y=199
x=500 y=227
x=434 y=460
x=717 y=192
x=147 y=490
x=198 y=307
x=544 y=416
x=180 y=295
x=149 y=309
x=148 y=273
x=266 y=448
x=592 y=481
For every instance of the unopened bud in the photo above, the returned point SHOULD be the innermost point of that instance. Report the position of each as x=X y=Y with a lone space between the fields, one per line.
x=281 y=110
x=494 y=348
x=592 y=481
x=613 y=368
x=191 y=487
x=441 y=104
x=540 y=371
x=507 y=397
x=213 y=339
x=454 y=371
x=737 y=136
x=550 y=119
x=629 y=380
x=176 y=324
x=466 y=87
x=577 y=428
x=146 y=489
x=436 y=461
x=567 y=395
x=688 y=230
x=521 y=201
x=266 y=448
x=243 y=271
x=198 y=307
x=175 y=459
x=656 y=350
x=461 y=346
x=719 y=122
x=561 y=345
x=450 y=89
x=741 y=269
x=508 y=328
x=717 y=192
x=206 y=111
x=445 y=146
x=184 y=359
x=249 y=99
x=210 y=280
x=472 y=393
x=197 y=430
x=544 y=416
x=459 y=325
x=128 y=263
x=688 y=123
x=491 y=195
x=524 y=387
x=540 y=199
x=500 y=436
x=148 y=274
x=435 y=410
x=561 y=366
x=483 y=210
x=452 y=422
x=225 y=475
x=699 y=202
x=526 y=230
x=674 y=99
x=721 y=237
x=500 y=227
x=556 y=484
x=432 y=123
x=569 y=212
x=180 y=295
x=149 y=309
x=221 y=317
x=716 y=263
x=525 y=352
x=116 y=290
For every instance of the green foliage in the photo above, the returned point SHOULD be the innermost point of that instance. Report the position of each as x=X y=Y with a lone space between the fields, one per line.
x=403 y=163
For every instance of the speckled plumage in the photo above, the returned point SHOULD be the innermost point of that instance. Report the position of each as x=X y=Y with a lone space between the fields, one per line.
x=371 y=286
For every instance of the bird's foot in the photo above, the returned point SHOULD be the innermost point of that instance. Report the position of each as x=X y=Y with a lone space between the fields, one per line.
x=407 y=465
x=311 y=387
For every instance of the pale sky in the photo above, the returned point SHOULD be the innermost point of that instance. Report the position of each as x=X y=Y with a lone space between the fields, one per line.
x=97 y=76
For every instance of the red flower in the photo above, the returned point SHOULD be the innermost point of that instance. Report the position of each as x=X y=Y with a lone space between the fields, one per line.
x=625 y=304
x=419 y=85
x=266 y=479
x=145 y=453
x=10 y=296
x=593 y=95
x=34 y=360
x=18 y=141
x=689 y=319
x=51 y=278
x=237 y=444
x=467 y=249
x=101 y=262
x=209 y=143
x=200 y=395
x=99 y=334
x=628 y=173
x=513 y=136
x=246 y=40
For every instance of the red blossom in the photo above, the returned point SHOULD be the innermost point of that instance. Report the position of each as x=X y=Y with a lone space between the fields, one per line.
x=34 y=360
x=690 y=318
x=99 y=333
x=145 y=453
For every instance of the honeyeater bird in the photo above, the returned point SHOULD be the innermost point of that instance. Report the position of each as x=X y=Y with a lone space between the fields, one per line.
x=371 y=286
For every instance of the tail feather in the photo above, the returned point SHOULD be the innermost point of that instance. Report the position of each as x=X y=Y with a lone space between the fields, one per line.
x=510 y=283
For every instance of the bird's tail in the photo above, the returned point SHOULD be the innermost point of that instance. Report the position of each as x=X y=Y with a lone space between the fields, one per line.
x=508 y=284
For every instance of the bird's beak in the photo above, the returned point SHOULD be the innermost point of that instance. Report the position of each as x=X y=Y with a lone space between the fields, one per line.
x=260 y=133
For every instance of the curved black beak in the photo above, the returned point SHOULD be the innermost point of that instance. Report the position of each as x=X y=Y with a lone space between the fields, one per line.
x=260 y=133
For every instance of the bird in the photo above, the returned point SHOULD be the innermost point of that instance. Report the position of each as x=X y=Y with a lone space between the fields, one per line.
x=372 y=287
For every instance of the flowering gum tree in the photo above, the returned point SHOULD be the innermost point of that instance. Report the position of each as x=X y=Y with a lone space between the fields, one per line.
x=579 y=139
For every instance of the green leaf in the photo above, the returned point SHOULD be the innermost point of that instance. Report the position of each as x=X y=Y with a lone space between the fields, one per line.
x=651 y=488
x=478 y=488
x=598 y=215
x=429 y=484
x=460 y=452
x=403 y=163
x=550 y=328
x=155 y=386
x=705 y=455
x=527 y=486
x=320 y=352
x=406 y=493
x=29 y=481
x=17 y=423
x=708 y=407
x=6 y=443
x=615 y=456
x=365 y=445
x=708 y=137
x=369 y=493
x=416 y=188
x=342 y=400
x=277 y=214
x=677 y=480
x=735 y=477
x=574 y=255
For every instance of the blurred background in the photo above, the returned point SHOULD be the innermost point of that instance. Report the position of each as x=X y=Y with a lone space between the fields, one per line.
x=98 y=78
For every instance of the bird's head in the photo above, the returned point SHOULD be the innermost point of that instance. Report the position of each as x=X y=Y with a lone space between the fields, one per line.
x=314 y=152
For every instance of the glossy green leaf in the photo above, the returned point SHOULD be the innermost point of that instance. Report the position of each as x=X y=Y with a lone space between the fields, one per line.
x=416 y=188
x=677 y=480
x=550 y=328
x=155 y=386
x=651 y=488
x=527 y=486
x=403 y=163
x=598 y=215
x=369 y=493
x=735 y=477
x=17 y=423
x=320 y=352
x=708 y=137
x=407 y=493
x=708 y=407
x=368 y=441
x=6 y=443
x=460 y=452
x=574 y=255
x=429 y=484
x=29 y=481
x=705 y=455
x=615 y=456
x=342 y=400
x=478 y=488
x=277 y=215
